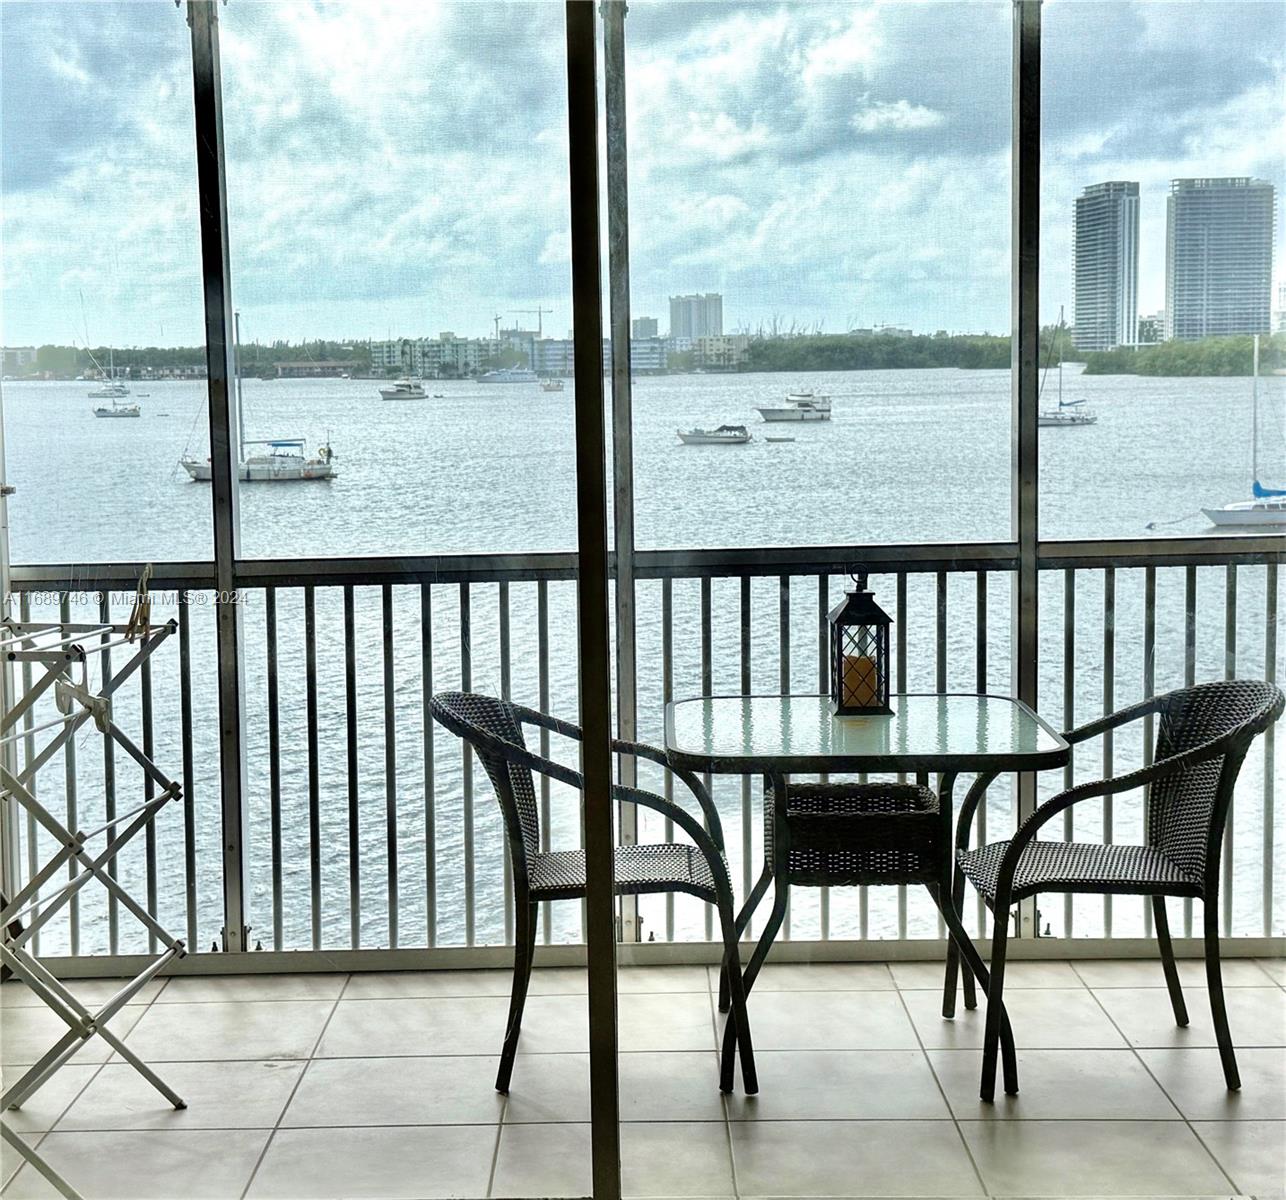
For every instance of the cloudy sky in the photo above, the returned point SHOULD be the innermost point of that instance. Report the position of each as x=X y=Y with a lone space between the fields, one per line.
x=399 y=167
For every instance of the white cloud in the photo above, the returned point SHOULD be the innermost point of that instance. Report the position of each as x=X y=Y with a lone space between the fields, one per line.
x=878 y=116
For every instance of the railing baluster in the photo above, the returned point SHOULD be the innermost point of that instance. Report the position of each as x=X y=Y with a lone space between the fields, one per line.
x=314 y=774
x=352 y=771
x=783 y=656
x=1229 y=672
x=274 y=762
x=29 y=752
x=1270 y=674
x=430 y=791
x=189 y=767
x=1109 y=705
x=1069 y=720
x=466 y=684
x=1189 y=674
x=1149 y=686
x=109 y=776
x=502 y=611
x=707 y=686
x=69 y=785
x=901 y=687
x=980 y=667
x=542 y=671
x=390 y=764
x=149 y=792
x=940 y=650
x=747 y=819
x=823 y=686
x=667 y=694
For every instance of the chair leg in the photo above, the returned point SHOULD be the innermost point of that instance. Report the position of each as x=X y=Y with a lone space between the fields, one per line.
x=524 y=952
x=954 y=965
x=973 y=965
x=766 y=938
x=737 y=1000
x=1214 y=981
x=995 y=1010
x=743 y=919
x=1161 y=921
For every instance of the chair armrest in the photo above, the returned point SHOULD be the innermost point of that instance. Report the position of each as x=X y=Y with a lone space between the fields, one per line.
x=703 y=840
x=1122 y=716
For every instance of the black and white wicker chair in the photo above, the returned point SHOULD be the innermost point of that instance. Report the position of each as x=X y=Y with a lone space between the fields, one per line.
x=493 y=728
x=1202 y=736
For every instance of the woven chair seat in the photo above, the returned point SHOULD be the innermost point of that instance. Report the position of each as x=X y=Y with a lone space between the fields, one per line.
x=849 y=834
x=1080 y=867
x=667 y=867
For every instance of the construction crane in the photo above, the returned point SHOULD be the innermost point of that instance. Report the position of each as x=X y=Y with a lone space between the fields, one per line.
x=497 y=319
x=538 y=313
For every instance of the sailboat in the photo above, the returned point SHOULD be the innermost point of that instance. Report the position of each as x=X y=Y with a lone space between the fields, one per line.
x=284 y=461
x=113 y=389
x=1069 y=413
x=1267 y=506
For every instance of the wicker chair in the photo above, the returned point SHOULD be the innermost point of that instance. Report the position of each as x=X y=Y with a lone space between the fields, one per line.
x=493 y=728
x=1203 y=734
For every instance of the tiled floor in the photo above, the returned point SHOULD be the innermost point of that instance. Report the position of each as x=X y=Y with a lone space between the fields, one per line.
x=380 y=1085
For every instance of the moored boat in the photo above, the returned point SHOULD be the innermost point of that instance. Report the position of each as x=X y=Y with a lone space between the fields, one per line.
x=724 y=435
x=551 y=385
x=282 y=462
x=509 y=375
x=408 y=388
x=116 y=409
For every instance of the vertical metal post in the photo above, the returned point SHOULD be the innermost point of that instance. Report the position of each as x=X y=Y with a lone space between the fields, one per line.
x=592 y=609
x=1109 y=705
x=216 y=274
x=618 y=283
x=1229 y=672
x=10 y=864
x=1025 y=382
x=1270 y=674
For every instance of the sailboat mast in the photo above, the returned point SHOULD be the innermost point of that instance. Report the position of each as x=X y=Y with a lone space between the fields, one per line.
x=236 y=366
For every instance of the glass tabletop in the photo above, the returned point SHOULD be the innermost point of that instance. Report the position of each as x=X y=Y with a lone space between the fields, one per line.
x=798 y=734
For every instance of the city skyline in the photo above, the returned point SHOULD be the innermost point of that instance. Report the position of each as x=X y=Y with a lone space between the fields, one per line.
x=1105 y=308
x=803 y=163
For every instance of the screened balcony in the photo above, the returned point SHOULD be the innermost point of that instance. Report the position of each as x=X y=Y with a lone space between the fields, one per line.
x=336 y=865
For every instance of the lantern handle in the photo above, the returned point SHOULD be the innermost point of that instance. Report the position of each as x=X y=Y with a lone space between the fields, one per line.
x=859 y=575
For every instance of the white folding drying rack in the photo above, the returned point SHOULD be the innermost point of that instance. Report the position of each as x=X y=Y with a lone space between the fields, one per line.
x=64 y=650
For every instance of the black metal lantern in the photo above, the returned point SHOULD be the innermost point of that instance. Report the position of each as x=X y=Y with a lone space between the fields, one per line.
x=859 y=653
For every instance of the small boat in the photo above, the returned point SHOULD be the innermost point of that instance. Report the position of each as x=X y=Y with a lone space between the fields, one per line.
x=1267 y=505
x=801 y=406
x=283 y=462
x=778 y=439
x=1068 y=414
x=509 y=375
x=116 y=409
x=112 y=390
x=725 y=435
x=110 y=387
x=551 y=385
x=404 y=389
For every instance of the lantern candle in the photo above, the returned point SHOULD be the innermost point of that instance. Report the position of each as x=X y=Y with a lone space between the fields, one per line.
x=861 y=681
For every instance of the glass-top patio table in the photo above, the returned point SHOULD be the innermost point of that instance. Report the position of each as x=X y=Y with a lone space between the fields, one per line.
x=783 y=735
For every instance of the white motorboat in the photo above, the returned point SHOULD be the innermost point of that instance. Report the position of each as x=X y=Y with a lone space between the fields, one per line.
x=408 y=388
x=801 y=406
x=1067 y=414
x=509 y=375
x=116 y=408
x=283 y=461
x=551 y=385
x=725 y=435
x=1267 y=505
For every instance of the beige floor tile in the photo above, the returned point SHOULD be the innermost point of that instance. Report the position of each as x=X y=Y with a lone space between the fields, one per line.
x=1256 y=1016
x=1252 y=1152
x=11 y=1160
x=150 y=1165
x=452 y=1025
x=1274 y=968
x=219 y=1095
x=1056 y=1085
x=818 y=977
x=397 y=1091
x=840 y=1085
x=27 y=1033
x=376 y=985
x=1092 y=1158
x=1021 y=974
x=1148 y=972
x=229 y=1029
x=630 y=980
x=252 y=987
x=543 y=1160
x=1044 y=1018
x=89 y=992
x=51 y=1101
x=851 y=1158
x=388 y=1163
x=829 y=1021
x=665 y=1021
x=1194 y=1081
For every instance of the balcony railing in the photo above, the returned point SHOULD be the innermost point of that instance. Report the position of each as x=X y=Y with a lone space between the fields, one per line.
x=366 y=828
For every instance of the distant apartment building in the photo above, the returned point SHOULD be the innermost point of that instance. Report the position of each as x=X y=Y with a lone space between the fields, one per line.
x=644 y=327
x=1151 y=328
x=18 y=359
x=553 y=356
x=1218 y=257
x=696 y=316
x=725 y=352
x=444 y=356
x=1106 y=266
x=1279 y=317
